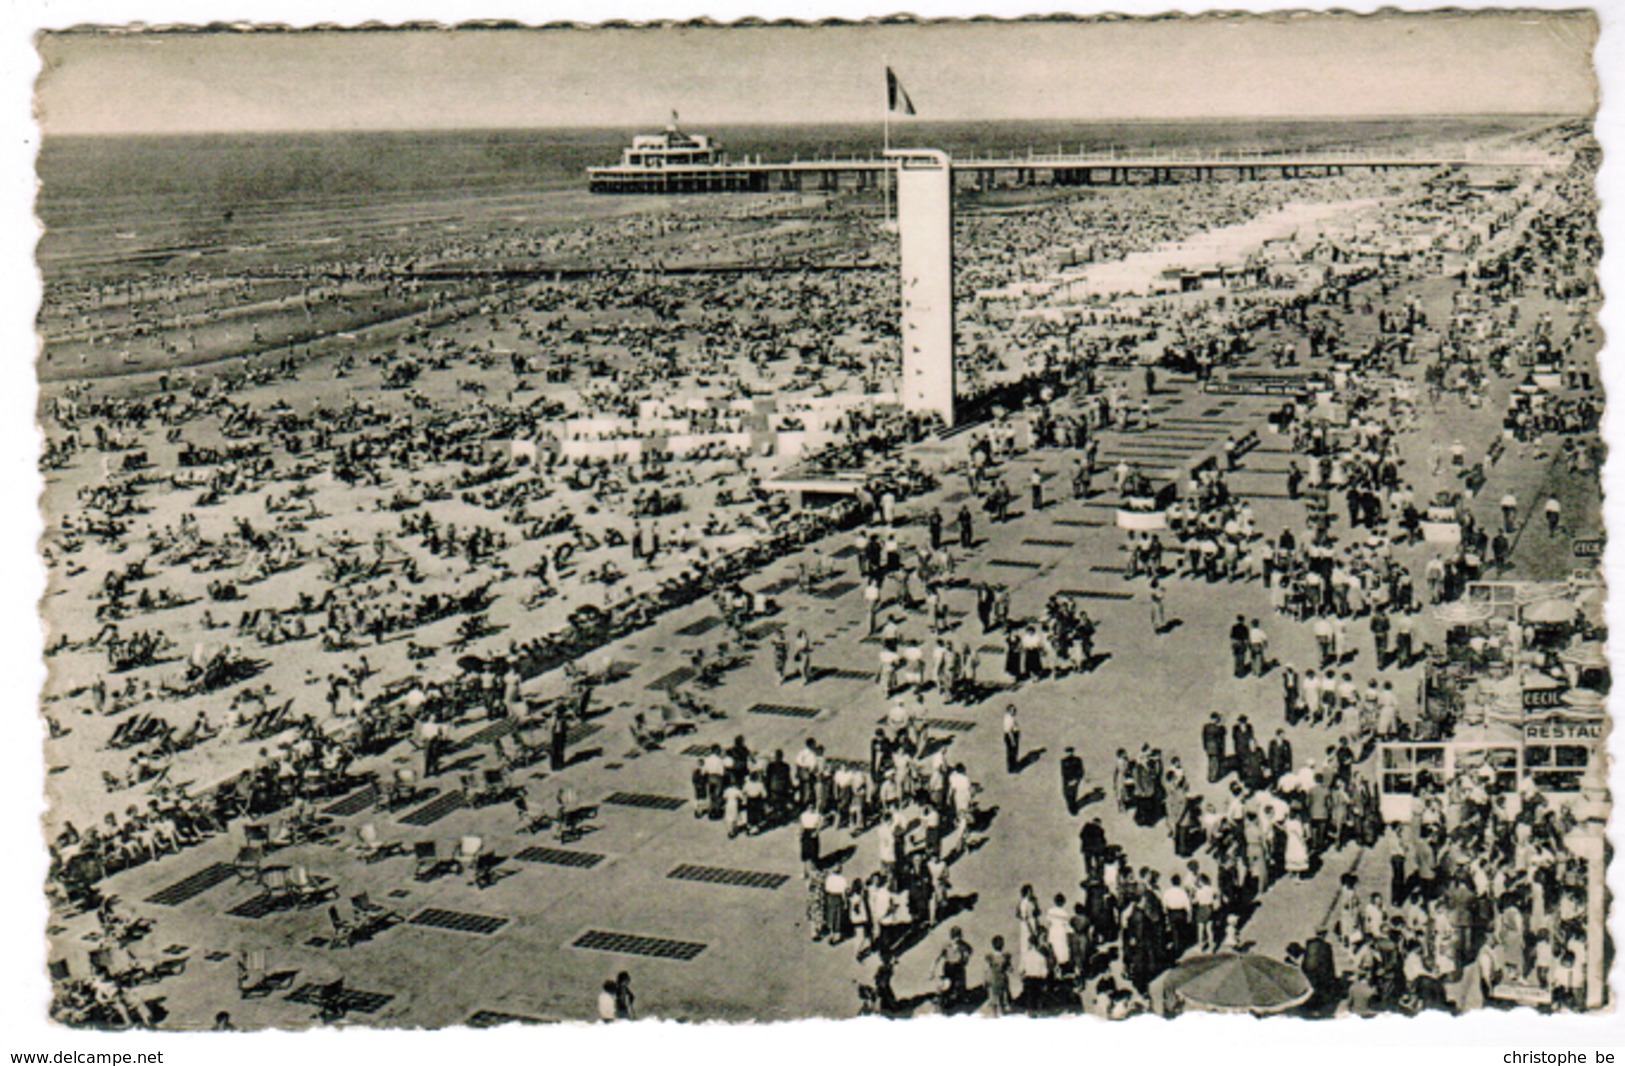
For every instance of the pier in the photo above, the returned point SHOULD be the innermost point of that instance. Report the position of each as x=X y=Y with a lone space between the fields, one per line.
x=1059 y=168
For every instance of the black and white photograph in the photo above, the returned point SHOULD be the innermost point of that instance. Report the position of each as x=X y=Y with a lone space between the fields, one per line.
x=1056 y=516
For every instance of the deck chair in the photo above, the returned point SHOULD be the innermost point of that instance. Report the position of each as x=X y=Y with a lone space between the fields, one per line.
x=254 y=976
x=343 y=931
x=277 y=721
x=428 y=859
x=369 y=911
x=526 y=817
x=332 y=1001
x=250 y=862
x=532 y=744
x=256 y=724
x=485 y=867
x=468 y=853
x=280 y=834
x=402 y=789
x=116 y=740
x=368 y=845
x=498 y=786
x=311 y=888
x=371 y=918
x=316 y=784
x=101 y=962
x=277 y=885
x=251 y=856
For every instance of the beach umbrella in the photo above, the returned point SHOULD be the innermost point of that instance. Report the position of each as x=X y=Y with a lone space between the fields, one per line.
x=1586 y=656
x=1463 y=612
x=1585 y=701
x=1550 y=612
x=1229 y=983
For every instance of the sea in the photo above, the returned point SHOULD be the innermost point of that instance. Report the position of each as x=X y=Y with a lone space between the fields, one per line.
x=98 y=190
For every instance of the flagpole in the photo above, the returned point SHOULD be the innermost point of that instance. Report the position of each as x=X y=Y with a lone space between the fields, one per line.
x=885 y=173
x=885 y=114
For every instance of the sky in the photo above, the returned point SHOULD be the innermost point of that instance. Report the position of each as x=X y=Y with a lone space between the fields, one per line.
x=1210 y=67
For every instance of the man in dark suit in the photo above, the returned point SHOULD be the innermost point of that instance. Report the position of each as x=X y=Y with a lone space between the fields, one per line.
x=559 y=739
x=1280 y=759
x=1071 y=779
x=1238 y=645
x=1213 y=734
x=1092 y=846
x=880 y=755
x=1242 y=739
x=1320 y=967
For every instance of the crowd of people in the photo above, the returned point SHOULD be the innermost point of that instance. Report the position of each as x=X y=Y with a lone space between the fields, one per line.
x=464 y=566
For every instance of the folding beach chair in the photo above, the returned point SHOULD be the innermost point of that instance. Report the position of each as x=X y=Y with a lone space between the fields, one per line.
x=250 y=862
x=370 y=912
x=498 y=785
x=403 y=789
x=332 y=1001
x=368 y=845
x=278 y=887
x=428 y=859
x=468 y=853
x=254 y=976
x=343 y=931
x=310 y=888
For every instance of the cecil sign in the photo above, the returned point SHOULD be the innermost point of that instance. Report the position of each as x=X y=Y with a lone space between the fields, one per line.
x=1543 y=697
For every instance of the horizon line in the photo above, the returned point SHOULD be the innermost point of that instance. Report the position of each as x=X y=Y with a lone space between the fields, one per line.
x=917 y=120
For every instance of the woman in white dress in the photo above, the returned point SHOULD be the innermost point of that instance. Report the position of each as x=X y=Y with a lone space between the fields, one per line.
x=1297 y=851
x=1034 y=963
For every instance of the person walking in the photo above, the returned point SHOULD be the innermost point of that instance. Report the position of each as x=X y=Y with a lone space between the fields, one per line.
x=1159 y=611
x=1238 y=646
x=1213 y=746
x=1012 y=740
x=781 y=657
x=1092 y=847
x=952 y=965
x=558 y=741
x=1381 y=627
x=1257 y=647
x=1404 y=636
x=1071 y=779
x=997 y=978
x=625 y=999
x=1554 y=515
x=810 y=822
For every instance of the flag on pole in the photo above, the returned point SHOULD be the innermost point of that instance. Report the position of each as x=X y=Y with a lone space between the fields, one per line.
x=896 y=96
